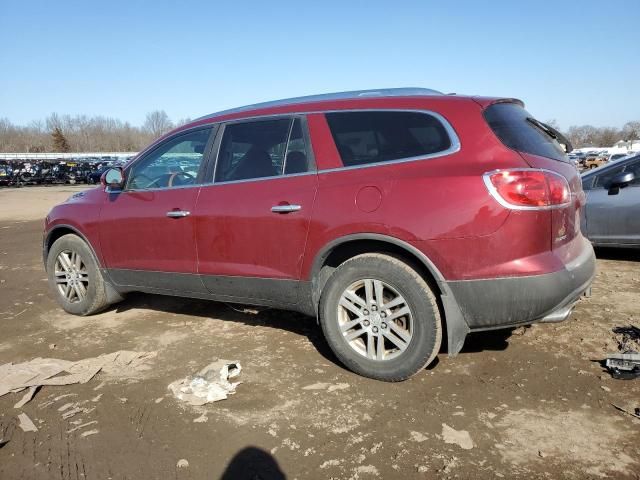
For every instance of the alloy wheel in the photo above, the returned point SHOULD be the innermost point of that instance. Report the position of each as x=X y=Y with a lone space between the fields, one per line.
x=72 y=276
x=375 y=319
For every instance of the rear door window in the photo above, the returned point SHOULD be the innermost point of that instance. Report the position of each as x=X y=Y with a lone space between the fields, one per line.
x=516 y=129
x=263 y=148
x=297 y=159
x=381 y=136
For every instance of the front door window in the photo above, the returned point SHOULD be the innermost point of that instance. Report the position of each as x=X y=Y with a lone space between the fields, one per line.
x=175 y=163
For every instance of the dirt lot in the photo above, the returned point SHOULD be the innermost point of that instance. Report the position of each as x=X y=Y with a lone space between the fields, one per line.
x=533 y=401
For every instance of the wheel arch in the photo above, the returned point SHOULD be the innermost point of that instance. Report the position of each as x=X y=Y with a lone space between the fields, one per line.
x=59 y=231
x=112 y=294
x=339 y=250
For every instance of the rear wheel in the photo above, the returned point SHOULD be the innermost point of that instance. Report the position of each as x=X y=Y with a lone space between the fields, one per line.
x=74 y=276
x=380 y=317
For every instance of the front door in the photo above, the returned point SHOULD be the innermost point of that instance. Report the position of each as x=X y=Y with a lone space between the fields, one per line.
x=252 y=222
x=147 y=231
x=614 y=219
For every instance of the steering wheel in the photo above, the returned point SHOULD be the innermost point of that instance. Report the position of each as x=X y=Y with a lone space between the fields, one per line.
x=135 y=181
x=180 y=173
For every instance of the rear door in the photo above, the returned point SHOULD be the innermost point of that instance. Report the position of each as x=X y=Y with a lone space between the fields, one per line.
x=614 y=219
x=147 y=231
x=252 y=221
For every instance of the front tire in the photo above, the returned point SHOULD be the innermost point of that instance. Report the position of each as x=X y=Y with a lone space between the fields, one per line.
x=380 y=317
x=74 y=276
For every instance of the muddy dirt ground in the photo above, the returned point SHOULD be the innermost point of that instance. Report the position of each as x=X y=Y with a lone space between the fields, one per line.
x=534 y=402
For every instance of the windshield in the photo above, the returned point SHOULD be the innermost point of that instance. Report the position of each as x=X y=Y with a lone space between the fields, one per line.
x=518 y=130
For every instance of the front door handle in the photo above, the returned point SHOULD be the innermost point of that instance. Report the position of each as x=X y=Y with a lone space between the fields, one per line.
x=285 y=208
x=178 y=214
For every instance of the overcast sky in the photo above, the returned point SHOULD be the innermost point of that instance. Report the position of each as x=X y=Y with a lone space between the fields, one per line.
x=574 y=61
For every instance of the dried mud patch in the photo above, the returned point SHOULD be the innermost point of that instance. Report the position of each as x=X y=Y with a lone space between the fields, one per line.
x=593 y=442
x=108 y=320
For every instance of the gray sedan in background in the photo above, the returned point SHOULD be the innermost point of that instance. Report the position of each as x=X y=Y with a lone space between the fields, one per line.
x=612 y=214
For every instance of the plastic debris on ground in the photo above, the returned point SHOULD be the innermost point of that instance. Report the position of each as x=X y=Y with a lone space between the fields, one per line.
x=628 y=338
x=625 y=365
x=50 y=371
x=211 y=384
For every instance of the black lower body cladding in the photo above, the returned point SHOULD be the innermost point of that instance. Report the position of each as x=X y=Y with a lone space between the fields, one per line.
x=509 y=301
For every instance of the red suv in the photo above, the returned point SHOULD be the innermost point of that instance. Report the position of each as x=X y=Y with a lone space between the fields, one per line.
x=392 y=216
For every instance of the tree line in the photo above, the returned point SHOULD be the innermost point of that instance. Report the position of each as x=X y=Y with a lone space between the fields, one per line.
x=590 y=136
x=582 y=136
x=81 y=133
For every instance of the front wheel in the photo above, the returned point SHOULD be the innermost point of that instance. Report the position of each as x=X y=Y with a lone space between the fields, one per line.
x=74 y=276
x=380 y=317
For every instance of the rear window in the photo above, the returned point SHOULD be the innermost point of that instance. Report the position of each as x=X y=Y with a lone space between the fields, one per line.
x=371 y=137
x=515 y=127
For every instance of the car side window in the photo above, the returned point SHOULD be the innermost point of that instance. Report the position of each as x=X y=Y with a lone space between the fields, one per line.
x=602 y=180
x=174 y=163
x=297 y=159
x=379 y=136
x=263 y=148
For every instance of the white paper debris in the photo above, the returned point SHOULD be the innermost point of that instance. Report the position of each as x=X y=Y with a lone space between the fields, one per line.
x=26 y=424
x=317 y=386
x=82 y=426
x=458 y=437
x=49 y=371
x=89 y=432
x=26 y=398
x=66 y=406
x=201 y=419
x=211 y=384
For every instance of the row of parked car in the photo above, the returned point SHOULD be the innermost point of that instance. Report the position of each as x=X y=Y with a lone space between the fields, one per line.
x=21 y=173
x=594 y=159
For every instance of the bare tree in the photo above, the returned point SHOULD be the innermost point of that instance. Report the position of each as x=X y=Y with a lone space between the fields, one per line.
x=157 y=123
x=183 y=121
x=553 y=123
x=631 y=131
x=60 y=143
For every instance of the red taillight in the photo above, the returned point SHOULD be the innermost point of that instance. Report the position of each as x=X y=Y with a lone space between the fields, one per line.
x=528 y=188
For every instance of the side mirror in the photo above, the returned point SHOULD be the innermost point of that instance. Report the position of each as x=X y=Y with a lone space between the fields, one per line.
x=113 y=179
x=619 y=181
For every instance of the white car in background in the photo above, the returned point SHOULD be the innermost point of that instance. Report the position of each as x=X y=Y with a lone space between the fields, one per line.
x=619 y=156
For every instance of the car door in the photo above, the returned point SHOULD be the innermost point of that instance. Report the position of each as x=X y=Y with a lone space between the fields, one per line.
x=252 y=221
x=147 y=231
x=614 y=219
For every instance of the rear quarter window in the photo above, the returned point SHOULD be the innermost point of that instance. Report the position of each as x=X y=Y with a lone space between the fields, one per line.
x=377 y=136
x=509 y=121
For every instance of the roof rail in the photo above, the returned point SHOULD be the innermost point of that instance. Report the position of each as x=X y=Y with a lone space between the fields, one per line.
x=381 y=92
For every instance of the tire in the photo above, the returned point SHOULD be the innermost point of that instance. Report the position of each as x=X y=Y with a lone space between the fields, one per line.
x=421 y=327
x=88 y=275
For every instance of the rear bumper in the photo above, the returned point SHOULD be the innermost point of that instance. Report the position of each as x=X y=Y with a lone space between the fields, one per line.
x=510 y=301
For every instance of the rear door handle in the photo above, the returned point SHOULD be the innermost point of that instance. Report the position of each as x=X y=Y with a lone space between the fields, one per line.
x=285 y=208
x=178 y=214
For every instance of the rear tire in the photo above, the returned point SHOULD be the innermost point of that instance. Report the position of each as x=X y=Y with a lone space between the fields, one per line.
x=380 y=317
x=74 y=276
